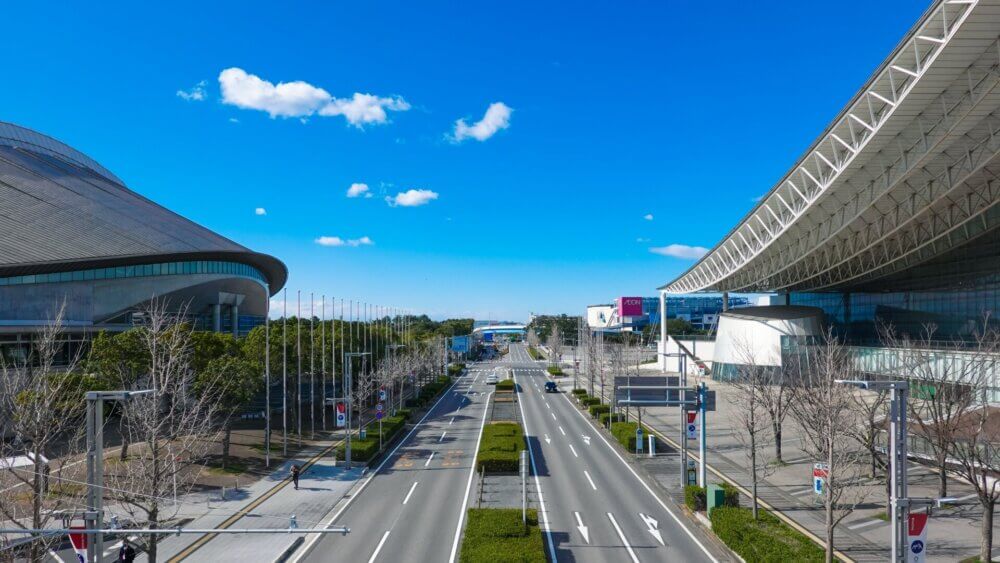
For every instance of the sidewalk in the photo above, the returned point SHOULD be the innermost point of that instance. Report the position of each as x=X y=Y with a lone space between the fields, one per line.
x=268 y=503
x=953 y=533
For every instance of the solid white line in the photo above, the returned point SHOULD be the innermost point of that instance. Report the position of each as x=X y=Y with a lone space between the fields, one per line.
x=308 y=546
x=379 y=547
x=644 y=485
x=865 y=524
x=538 y=487
x=411 y=492
x=590 y=480
x=622 y=536
x=441 y=439
x=563 y=431
x=573 y=450
x=468 y=488
x=426 y=463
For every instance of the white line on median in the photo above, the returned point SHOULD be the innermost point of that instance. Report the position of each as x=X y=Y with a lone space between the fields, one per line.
x=622 y=536
x=589 y=479
x=468 y=487
x=573 y=450
x=378 y=548
x=426 y=463
x=411 y=492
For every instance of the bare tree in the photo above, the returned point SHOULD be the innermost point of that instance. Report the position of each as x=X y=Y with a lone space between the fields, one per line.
x=41 y=407
x=825 y=413
x=170 y=429
x=943 y=389
x=776 y=398
x=749 y=419
x=555 y=344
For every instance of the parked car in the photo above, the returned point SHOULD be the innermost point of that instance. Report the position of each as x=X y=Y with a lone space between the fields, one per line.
x=491 y=379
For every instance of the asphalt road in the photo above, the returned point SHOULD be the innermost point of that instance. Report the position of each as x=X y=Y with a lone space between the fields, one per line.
x=596 y=506
x=413 y=506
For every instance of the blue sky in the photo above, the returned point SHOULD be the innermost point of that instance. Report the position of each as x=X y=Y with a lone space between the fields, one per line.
x=605 y=114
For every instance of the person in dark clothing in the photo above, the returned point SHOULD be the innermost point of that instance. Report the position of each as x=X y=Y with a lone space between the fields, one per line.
x=295 y=476
x=126 y=554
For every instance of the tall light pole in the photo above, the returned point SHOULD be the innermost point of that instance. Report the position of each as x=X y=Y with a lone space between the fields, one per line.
x=284 y=375
x=348 y=395
x=312 y=368
x=267 y=377
x=322 y=357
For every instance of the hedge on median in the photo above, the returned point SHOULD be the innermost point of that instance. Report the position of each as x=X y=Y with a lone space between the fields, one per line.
x=608 y=418
x=497 y=535
x=554 y=370
x=428 y=392
x=505 y=385
x=765 y=539
x=500 y=448
x=365 y=450
x=624 y=432
x=597 y=410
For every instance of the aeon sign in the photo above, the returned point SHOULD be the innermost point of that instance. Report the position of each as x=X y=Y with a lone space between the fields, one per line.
x=630 y=306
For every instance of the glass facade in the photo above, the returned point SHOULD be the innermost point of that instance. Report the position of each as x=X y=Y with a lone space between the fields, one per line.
x=143 y=270
x=958 y=293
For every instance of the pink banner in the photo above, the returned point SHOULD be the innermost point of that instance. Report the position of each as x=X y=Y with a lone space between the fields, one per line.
x=630 y=306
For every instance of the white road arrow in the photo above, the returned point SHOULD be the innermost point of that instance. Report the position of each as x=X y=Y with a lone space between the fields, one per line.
x=583 y=529
x=652 y=524
x=586 y=439
x=547 y=439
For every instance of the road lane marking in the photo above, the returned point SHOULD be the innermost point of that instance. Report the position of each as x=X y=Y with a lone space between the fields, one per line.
x=573 y=450
x=553 y=416
x=451 y=421
x=378 y=548
x=547 y=439
x=865 y=524
x=443 y=434
x=468 y=489
x=645 y=486
x=538 y=487
x=653 y=527
x=620 y=535
x=426 y=463
x=411 y=491
x=586 y=439
x=547 y=405
x=582 y=528
x=590 y=480
x=563 y=431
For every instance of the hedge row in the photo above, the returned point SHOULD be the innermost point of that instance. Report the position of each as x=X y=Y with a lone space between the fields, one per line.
x=429 y=391
x=455 y=370
x=608 y=418
x=589 y=401
x=554 y=370
x=365 y=450
x=500 y=448
x=695 y=497
x=579 y=392
x=624 y=432
x=767 y=539
x=505 y=385
x=498 y=535
x=597 y=410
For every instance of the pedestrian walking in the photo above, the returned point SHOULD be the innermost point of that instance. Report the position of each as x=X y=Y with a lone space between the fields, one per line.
x=295 y=475
x=126 y=554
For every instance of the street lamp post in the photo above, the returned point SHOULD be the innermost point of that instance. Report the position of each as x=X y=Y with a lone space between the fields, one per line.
x=682 y=439
x=348 y=399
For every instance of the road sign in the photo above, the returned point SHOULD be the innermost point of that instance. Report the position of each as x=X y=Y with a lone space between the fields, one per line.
x=692 y=425
x=79 y=542
x=381 y=394
x=821 y=472
x=378 y=411
x=655 y=391
x=378 y=415
x=916 y=538
x=363 y=433
x=341 y=415
x=638 y=439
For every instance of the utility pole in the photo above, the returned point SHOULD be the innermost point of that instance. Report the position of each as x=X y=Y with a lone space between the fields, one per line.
x=284 y=375
x=267 y=377
x=322 y=360
x=298 y=363
x=312 y=368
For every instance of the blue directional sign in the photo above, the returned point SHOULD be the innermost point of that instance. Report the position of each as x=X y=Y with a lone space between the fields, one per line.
x=460 y=344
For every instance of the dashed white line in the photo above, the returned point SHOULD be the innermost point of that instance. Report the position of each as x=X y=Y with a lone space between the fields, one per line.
x=450 y=422
x=443 y=434
x=379 y=547
x=573 y=450
x=622 y=536
x=426 y=463
x=591 y=481
x=563 y=431
x=411 y=492
x=553 y=416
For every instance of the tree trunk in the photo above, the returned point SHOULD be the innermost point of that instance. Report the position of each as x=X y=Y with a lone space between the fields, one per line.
x=942 y=474
x=151 y=543
x=753 y=474
x=828 y=490
x=226 y=440
x=776 y=426
x=986 y=531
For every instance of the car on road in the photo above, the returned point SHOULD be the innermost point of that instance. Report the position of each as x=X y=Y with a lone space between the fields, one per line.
x=491 y=379
x=551 y=387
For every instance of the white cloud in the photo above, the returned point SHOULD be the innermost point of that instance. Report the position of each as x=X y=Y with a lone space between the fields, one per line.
x=337 y=241
x=648 y=216
x=497 y=117
x=411 y=198
x=301 y=99
x=233 y=120
x=358 y=190
x=641 y=239
x=364 y=108
x=680 y=251
x=195 y=94
x=260 y=211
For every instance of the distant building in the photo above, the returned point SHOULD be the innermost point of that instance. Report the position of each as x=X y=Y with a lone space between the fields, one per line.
x=72 y=233
x=701 y=311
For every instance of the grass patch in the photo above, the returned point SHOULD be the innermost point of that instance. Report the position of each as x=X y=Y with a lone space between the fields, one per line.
x=534 y=353
x=232 y=468
x=883 y=516
x=766 y=539
x=500 y=448
x=505 y=385
x=554 y=371
x=495 y=535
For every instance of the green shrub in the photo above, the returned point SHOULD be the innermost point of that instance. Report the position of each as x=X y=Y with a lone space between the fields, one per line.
x=579 y=392
x=500 y=448
x=732 y=495
x=405 y=413
x=624 y=432
x=554 y=370
x=455 y=369
x=694 y=497
x=505 y=385
x=590 y=401
x=498 y=535
x=596 y=410
x=766 y=539
x=608 y=418
x=534 y=353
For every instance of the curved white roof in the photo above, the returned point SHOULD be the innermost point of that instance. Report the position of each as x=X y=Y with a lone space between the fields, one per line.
x=907 y=171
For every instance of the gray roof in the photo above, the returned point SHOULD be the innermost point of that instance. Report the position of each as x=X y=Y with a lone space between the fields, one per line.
x=60 y=210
